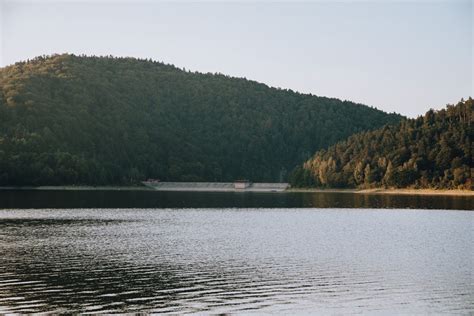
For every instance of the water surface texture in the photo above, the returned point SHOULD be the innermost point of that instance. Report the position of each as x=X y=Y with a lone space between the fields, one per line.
x=236 y=260
x=157 y=199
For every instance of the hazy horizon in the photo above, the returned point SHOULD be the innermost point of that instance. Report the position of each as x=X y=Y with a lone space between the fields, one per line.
x=403 y=57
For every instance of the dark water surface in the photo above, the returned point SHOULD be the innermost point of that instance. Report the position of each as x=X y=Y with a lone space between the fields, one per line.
x=239 y=260
x=160 y=199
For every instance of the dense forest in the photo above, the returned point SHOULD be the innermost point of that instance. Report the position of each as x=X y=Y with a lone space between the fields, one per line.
x=68 y=119
x=431 y=151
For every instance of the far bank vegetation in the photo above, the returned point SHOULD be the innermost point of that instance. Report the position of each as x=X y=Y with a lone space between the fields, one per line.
x=431 y=151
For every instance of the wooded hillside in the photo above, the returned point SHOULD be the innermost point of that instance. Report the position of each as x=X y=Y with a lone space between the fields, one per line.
x=432 y=151
x=67 y=119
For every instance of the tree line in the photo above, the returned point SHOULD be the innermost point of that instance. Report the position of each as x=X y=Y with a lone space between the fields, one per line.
x=69 y=119
x=431 y=151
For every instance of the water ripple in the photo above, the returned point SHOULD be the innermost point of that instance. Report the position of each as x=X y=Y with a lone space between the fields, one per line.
x=213 y=261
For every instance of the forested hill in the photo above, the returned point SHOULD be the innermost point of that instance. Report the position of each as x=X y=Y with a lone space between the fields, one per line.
x=432 y=151
x=67 y=119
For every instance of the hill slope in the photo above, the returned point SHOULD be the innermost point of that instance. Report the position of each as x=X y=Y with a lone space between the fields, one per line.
x=101 y=120
x=432 y=151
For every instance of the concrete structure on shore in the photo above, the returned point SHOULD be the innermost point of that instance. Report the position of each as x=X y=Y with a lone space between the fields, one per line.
x=242 y=184
x=238 y=186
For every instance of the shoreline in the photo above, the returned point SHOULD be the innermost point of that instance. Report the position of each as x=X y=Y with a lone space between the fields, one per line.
x=389 y=191
x=75 y=188
x=379 y=191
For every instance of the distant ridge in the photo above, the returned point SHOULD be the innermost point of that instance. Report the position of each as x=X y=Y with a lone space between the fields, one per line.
x=66 y=119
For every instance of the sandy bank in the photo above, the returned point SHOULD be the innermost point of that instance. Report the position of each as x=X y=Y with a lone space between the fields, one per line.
x=352 y=191
x=390 y=191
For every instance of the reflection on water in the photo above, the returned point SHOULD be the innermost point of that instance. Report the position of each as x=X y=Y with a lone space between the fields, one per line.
x=236 y=260
x=157 y=199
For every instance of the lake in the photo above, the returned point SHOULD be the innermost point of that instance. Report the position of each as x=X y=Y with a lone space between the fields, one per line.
x=170 y=199
x=239 y=258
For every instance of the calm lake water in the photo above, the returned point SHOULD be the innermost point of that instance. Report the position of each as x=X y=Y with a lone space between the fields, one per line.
x=157 y=199
x=239 y=260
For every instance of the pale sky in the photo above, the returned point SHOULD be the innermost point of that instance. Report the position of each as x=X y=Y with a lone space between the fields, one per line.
x=400 y=56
